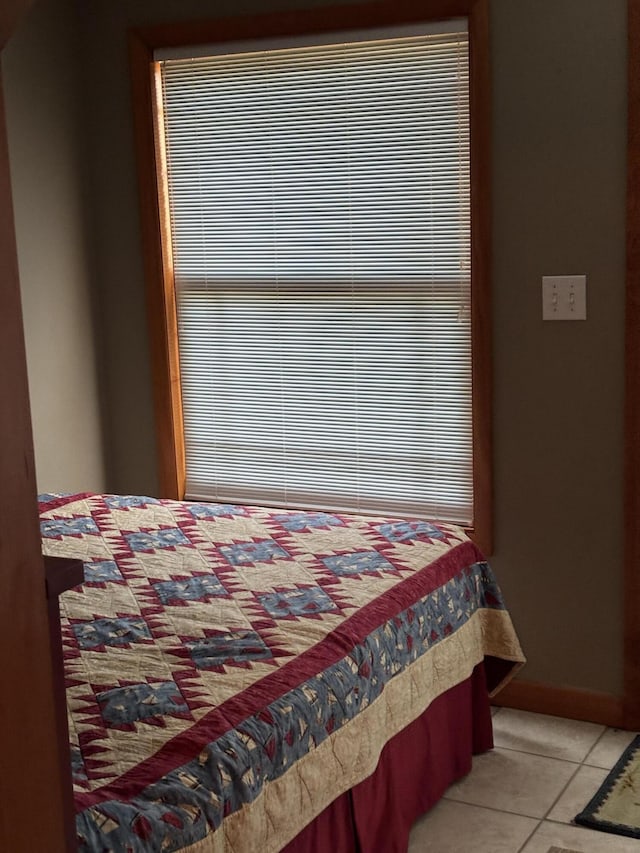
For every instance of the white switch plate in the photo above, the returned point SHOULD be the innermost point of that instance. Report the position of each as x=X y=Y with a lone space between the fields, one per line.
x=564 y=297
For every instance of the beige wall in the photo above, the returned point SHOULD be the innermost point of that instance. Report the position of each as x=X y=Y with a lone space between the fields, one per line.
x=559 y=188
x=45 y=146
x=559 y=148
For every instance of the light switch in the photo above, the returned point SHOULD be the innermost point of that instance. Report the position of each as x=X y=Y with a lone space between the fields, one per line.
x=564 y=297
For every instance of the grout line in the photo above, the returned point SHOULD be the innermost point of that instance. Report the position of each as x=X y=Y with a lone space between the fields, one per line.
x=530 y=836
x=538 y=820
x=606 y=729
x=545 y=817
x=539 y=755
x=492 y=809
x=561 y=794
x=575 y=826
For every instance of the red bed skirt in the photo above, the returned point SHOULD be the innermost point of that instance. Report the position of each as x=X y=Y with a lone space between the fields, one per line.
x=415 y=769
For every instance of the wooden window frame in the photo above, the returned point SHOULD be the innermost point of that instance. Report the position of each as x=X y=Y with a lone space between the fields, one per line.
x=156 y=245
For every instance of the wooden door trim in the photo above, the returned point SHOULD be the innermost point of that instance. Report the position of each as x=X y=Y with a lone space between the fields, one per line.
x=11 y=12
x=631 y=573
x=31 y=760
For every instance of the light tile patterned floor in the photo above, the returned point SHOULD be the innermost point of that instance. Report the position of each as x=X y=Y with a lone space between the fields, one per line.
x=522 y=796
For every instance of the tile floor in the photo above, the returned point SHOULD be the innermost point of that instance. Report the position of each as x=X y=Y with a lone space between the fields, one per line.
x=522 y=796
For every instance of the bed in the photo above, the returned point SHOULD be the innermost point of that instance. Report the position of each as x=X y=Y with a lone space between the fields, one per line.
x=250 y=679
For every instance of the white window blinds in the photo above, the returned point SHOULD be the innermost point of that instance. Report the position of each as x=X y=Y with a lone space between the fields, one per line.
x=319 y=212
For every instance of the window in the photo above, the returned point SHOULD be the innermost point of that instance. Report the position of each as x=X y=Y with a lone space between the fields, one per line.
x=316 y=203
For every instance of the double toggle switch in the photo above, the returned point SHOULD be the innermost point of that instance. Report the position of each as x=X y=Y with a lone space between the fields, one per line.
x=564 y=297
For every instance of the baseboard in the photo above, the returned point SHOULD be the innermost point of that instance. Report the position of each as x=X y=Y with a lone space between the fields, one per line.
x=570 y=702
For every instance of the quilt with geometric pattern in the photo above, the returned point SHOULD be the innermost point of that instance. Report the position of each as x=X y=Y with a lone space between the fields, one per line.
x=231 y=670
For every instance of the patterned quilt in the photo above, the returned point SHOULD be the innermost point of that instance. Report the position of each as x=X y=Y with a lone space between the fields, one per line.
x=231 y=670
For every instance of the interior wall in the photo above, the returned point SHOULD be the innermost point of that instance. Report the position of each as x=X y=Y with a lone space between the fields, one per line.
x=128 y=388
x=45 y=133
x=559 y=131
x=559 y=100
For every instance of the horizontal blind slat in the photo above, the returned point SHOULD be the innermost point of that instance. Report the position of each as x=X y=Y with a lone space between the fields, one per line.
x=319 y=203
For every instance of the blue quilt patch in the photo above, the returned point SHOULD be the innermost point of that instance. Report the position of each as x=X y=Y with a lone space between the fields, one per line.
x=234 y=646
x=244 y=553
x=111 y=632
x=123 y=705
x=297 y=602
x=360 y=562
x=190 y=589
x=68 y=527
x=298 y=521
x=102 y=571
x=77 y=765
x=126 y=501
x=214 y=510
x=405 y=531
x=45 y=497
x=167 y=538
